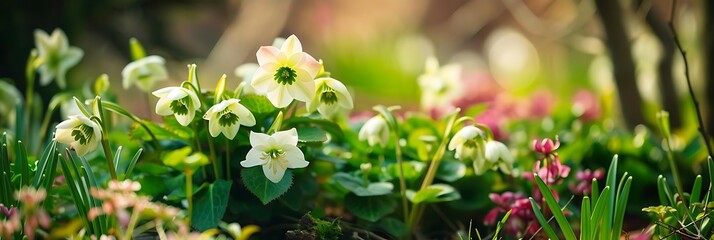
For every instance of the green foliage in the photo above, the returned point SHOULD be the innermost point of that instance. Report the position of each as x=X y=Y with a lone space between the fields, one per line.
x=371 y=208
x=261 y=187
x=360 y=188
x=211 y=206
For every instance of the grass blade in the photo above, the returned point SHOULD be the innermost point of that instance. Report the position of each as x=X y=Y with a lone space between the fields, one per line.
x=48 y=155
x=132 y=163
x=622 y=196
x=117 y=156
x=541 y=220
x=585 y=218
x=21 y=166
x=664 y=194
x=601 y=208
x=76 y=196
x=696 y=190
x=555 y=209
x=500 y=225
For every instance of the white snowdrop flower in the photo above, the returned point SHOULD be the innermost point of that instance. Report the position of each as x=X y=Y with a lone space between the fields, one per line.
x=275 y=153
x=375 y=131
x=331 y=97
x=177 y=101
x=226 y=117
x=80 y=133
x=144 y=73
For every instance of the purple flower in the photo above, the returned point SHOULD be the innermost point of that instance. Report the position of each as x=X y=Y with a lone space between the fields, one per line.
x=584 y=180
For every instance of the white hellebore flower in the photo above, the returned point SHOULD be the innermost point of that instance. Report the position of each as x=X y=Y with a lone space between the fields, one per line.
x=55 y=56
x=245 y=72
x=286 y=73
x=80 y=133
x=275 y=153
x=498 y=154
x=144 y=73
x=466 y=142
x=375 y=131
x=227 y=116
x=440 y=86
x=180 y=102
x=331 y=96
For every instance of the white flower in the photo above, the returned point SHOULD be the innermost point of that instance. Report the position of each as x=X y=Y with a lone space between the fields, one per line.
x=55 y=56
x=375 y=131
x=466 y=142
x=440 y=86
x=144 y=73
x=275 y=153
x=227 y=116
x=286 y=73
x=497 y=153
x=80 y=133
x=331 y=96
x=180 y=102
x=246 y=71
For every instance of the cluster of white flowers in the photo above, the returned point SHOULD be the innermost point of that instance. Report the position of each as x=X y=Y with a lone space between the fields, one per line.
x=472 y=144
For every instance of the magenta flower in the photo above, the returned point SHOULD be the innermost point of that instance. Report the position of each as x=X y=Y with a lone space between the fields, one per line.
x=584 y=180
x=551 y=173
x=522 y=219
x=586 y=105
x=546 y=146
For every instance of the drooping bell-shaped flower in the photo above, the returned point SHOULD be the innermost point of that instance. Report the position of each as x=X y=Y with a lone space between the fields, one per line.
x=144 y=73
x=80 y=133
x=180 y=102
x=498 y=153
x=275 y=153
x=55 y=56
x=286 y=73
x=375 y=131
x=227 y=116
x=466 y=143
x=331 y=97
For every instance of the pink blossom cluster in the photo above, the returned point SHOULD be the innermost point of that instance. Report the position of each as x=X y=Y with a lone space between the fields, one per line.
x=521 y=220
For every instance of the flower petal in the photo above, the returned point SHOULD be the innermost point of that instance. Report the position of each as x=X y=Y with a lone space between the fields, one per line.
x=262 y=81
x=309 y=64
x=267 y=54
x=258 y=140
x=214 y=126
x=230 y=131
x=303 y=89
x=286 y=138
x=252 y=159
x=274 y=174
x=295 y=158
x=291 y=45
x=280 y=97
x=163 y=107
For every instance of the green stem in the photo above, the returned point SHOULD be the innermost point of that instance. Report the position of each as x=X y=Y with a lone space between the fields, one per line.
x=189 y=195
x=212 y=150
x=109 y=157
x=402 y=182
x=228 y=159
x=132 y=223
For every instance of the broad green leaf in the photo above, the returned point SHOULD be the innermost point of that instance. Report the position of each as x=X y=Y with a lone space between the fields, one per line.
x=261 y=187
x=393 y=226
x=451 y=171
x=434 y=193
x=182 y=158
x=210 y=207
x=357 y=186
x=258 y=105
x=370 y=208
x=329 y=126
x=311 y=135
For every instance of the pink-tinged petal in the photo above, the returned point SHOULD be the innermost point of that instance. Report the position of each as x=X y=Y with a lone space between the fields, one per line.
x=295 y=157
x=280 y=97
x=273 y=173
x=309 y=64
x=267 y=54
x=285 y=138
x=253 y=158
x=490 y=218
x=262 y=81
x=291 y=45
x=303 y=89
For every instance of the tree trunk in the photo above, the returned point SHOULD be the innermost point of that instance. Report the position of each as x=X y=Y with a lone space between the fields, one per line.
x=619 y=47
x=709 y=50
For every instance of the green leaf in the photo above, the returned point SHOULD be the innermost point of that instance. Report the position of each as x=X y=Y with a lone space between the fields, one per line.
x=209 y=208
x=541 y=220
x=622 y=196
x=555 y=209
x=585 y=226
x=101 y=85
x=329 y=126
x=434 y=193
x=261 y=187
x=311 y=135
x=356 y=185
x=451 y=171
x=370 y=208
x=393 y=226
x=258 y=105
x=137 y=51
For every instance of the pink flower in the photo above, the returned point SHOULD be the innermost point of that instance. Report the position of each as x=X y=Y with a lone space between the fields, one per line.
x=584 y=180
x=552 y=173
x=586 y=105
x=546 y=146
x=522 y=215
